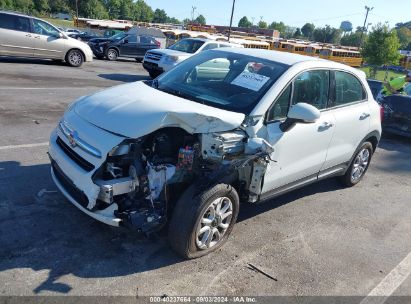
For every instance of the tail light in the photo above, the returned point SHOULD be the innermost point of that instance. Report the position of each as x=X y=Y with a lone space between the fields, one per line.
x=158 y=43
x=381 y=113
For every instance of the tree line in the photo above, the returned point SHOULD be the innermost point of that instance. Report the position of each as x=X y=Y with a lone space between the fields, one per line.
x=96 y=9
x=344 y=35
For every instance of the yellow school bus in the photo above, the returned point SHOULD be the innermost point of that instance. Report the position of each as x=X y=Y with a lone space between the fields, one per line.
x=296 y=48
x=313 y=50
x=281 y=46
x=351 y=58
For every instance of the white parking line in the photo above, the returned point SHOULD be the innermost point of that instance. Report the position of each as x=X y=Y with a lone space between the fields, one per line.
x=24 y=146
x=390 y=283
x=51 y=88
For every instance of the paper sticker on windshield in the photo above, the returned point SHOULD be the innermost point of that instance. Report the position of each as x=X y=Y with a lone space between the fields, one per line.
x=250 y=81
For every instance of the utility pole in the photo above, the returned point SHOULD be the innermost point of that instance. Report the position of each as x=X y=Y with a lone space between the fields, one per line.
x=193 y=8
x=231 y=21
x=77 y=13
x=368 y=9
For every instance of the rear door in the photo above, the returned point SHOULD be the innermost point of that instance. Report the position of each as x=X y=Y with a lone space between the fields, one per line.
x=350 y=107
x=48 y=43
x=16 y=38
x=145 y=43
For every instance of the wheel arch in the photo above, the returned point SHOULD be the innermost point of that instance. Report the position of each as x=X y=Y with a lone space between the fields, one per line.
x=77 y=49
x=114 y=48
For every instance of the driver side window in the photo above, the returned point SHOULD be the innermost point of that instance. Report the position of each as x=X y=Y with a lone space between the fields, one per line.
x=43 y=28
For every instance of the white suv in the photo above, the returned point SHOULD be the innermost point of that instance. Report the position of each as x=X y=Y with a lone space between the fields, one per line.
x=183 y=150
x=162 y=60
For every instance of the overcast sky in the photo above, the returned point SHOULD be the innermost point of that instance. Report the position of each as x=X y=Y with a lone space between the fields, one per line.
x=291 y=12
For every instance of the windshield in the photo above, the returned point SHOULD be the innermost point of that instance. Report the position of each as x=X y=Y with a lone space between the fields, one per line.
x=187 y=45
x=224 y=80
x=118 y=36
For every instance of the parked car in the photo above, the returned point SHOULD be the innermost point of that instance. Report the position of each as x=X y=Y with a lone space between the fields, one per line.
x=159 y=61
x=397 y=113
x=186 y=148
x=26 y=36
x=84 y=36
x=123 y=45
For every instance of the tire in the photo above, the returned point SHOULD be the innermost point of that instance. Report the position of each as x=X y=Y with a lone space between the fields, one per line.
x=74 y=58
x=112 y=54
x=359 y=165
x=139 y=60
x=100 y=57
x=184 y=234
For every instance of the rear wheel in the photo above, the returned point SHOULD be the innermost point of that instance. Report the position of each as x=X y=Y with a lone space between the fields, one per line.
x=75 y=58
x=358 y=166
x=201 y=223
x=112 y=54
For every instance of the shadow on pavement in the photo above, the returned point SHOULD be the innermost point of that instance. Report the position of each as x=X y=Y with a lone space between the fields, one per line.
x=124 y=77
x=41 y=230
x=32 y=61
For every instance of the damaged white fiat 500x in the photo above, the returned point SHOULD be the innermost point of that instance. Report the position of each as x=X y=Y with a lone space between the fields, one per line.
x=224 y=126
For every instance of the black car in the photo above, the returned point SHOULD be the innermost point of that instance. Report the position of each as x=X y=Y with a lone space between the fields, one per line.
x=123 y=45
x=397 y=113
x=84 y=36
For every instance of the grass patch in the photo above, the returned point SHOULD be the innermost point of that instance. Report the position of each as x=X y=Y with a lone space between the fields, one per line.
x=381 y=74
x=59 y=22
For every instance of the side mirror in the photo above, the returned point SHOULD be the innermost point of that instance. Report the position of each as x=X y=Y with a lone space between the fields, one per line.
x=125 y=40
x=300 y=113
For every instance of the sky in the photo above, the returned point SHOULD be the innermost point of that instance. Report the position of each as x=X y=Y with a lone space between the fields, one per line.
x=292 y=12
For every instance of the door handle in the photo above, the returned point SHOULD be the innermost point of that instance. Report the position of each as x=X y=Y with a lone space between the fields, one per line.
x=364 y=116
x=325 y=126
x=37 y=37
x=28 y=35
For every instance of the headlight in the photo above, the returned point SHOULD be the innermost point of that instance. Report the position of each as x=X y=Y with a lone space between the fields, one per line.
x=172 y=58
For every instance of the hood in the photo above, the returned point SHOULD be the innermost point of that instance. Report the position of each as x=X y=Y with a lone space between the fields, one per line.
x=172 y=53
x=99 y=40
x=136 y=109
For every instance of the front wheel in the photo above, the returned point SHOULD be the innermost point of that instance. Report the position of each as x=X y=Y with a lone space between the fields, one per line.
x=75 y=58
x=359 y=165
x=112 y=54
x=201 y=223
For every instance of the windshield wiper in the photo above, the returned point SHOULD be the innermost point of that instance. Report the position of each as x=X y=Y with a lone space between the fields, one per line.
x=182 y=95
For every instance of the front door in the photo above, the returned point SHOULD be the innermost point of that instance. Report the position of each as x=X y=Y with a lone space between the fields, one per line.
x=300 y=152
x=16 y=38
x=47 y=41
x=129 y=46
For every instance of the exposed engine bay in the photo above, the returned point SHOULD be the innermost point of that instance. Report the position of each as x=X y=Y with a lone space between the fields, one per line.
x=146 y=176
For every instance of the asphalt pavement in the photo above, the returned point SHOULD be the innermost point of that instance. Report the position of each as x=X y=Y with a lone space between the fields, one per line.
x=321 y=240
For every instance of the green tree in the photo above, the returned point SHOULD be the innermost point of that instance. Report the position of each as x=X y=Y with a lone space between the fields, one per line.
x=200 y=20
x=307 y=30
x=353 y=39
x=279 y=26
x=297 y=33
x=24 y=6
x=141 y=11
x=381 y=46
x=58 y=6
x=173 y=20
x=404 y=35
x=244 y=22
x=186 y=21
x=160 y=16
x=7 y=4
x=93 y=9
x=41 y=6
x=113 y=8
x=327 y=34
x=262 y=24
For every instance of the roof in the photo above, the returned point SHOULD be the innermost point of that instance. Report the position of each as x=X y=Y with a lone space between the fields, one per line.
x=281 y=57
x=13 y=13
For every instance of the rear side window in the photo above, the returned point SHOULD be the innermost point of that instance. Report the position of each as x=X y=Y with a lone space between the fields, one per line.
x=131 y=39
x=347 y=89
x=16 y=23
